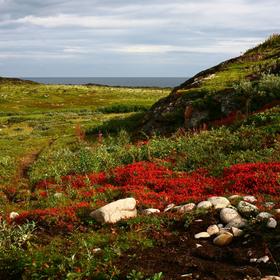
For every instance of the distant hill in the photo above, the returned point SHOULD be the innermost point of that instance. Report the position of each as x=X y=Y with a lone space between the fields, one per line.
x=240 y=85
x=15 y=81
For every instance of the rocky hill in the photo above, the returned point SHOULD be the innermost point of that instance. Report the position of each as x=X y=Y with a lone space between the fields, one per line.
x=238 y=86
x=15 y=81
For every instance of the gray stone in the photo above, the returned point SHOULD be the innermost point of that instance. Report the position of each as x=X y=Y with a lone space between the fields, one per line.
x=204 y=205
x=263 y=216
x=219 y=202
x=247 y=209
x=237 y=222
x=228 y=214
x=116 y=211
x=237 y=232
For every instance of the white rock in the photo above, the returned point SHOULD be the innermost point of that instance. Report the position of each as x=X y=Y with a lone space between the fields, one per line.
x=198 y=221
x=116 y=211
x=150 y=211
x=264 y=259
x=198 y=245
x=169 y=207
x=228 y=214
x=220 y=225
x=219 y=202
x=223 y=239
x=237 y=232
x=253 y=260
x=247 y=209
x=96 y=250
x=204 y=205
x=250 y=198
x=186 y=208
x=271 y=223
x=263 y=216
x=202 y=235
x=212 y=230
x=235 y=197
x=13 y=215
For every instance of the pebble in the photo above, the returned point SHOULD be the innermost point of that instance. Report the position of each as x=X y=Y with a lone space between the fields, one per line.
x=96 y=250
x=58 y=195
x=263 y=216
x=186 y=208
x=228 y=214
x=237 y=232
x=220 y=225
x=223 y=239
x=277 y=211
x=271 y=278
x=198 y=245
x=269 y=204
x=150 y=211
x=253 y=260
x=212 y=230
x=264 y=259
x=202 y=235
x=235 y=197
x=247 y=209
x=271 y=223
x=204 y=205
x=13 y=215
x=169 y=207
x=250 y=198
x=219 y=202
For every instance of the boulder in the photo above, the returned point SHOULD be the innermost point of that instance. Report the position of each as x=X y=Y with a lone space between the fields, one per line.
x=116 y=211
x=247 y=209
x=219 y=202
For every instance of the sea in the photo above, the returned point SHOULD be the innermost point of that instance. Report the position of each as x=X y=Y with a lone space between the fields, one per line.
x=161 y=82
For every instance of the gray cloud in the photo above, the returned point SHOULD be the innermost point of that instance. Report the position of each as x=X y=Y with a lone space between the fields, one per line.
x=128 y=38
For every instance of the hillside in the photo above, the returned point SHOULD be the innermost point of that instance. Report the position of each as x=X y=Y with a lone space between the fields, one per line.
x=237 y=86
x=15 y=81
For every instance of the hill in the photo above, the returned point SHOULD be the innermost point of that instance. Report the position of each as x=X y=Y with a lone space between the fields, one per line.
x=237 y=86
x=15 y=81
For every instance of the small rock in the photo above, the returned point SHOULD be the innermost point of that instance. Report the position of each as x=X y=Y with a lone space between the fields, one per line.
x=186 y=208
x=228 y=214
x=96 y=250
x=58 y=195
x=169 y=207
x=247 y=209
x=235 y=197
x=150 y=211
x=263 y=216
x=198 y=245
x=186 y=275
x=13 y=215
x=264 y=259
x=220 y=225
x=223 y=239
x=250 y=198
x=271 y=223
x=269 y=204
x=116 y=211
x=202 y=235
x=198 y=221
x=277 y=211
x=237 y=232
x=219 y=202
x=212 y=230
x=204 y=205
x=253 y=260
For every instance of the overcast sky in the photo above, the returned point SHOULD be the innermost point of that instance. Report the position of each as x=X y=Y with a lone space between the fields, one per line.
x=128 y=37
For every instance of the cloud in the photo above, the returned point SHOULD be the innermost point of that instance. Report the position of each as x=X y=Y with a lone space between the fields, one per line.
x=124 y=36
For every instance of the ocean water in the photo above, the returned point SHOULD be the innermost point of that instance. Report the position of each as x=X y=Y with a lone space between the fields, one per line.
x=127 y=82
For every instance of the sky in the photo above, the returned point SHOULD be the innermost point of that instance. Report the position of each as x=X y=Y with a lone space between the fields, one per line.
x=128 y=38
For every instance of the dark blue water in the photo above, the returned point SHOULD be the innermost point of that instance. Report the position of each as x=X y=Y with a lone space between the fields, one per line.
x=128 y=82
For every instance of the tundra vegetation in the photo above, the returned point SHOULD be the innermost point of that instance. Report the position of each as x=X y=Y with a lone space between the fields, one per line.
x=69 y=150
